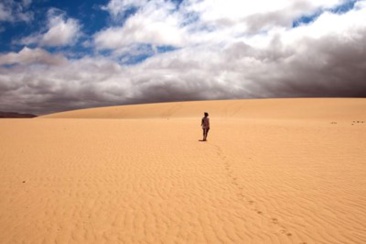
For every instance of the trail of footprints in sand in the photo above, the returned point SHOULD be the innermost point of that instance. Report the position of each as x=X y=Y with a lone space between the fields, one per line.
x=248 y=201
x=355 y=122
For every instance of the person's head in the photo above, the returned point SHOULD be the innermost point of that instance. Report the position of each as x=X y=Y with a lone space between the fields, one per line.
x=206 y=114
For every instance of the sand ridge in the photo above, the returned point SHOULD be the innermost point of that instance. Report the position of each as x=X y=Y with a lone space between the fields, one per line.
x=299 y=108
x=261 y=179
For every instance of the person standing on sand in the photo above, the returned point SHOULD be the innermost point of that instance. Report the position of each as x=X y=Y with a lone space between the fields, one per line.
x=205 y=123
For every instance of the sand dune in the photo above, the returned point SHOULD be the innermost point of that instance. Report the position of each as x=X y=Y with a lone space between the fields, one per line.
x=273 y=171
x=249 y=109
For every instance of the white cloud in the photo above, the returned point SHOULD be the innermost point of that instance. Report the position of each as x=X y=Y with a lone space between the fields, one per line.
x=4 y=13
x=26 y=3
x=200 y=22
x=61 y=31
x=29 y=56
x=118 y=7
x=360 y=4
x=154 y=24
x=345 y=27
x=13 y=11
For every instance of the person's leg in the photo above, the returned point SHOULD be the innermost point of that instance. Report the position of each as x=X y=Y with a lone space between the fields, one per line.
x=206 y=133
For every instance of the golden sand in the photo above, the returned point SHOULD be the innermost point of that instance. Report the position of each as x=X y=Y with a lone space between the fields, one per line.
x=272 y=171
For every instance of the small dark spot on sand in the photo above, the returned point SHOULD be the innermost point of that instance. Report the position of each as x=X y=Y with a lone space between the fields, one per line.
x=23 y=181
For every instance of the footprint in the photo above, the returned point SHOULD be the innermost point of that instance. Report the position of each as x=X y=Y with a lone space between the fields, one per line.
x=274 y=220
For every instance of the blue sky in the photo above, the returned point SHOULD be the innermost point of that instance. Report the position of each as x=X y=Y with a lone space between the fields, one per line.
x=63 y=55
x=90 y=16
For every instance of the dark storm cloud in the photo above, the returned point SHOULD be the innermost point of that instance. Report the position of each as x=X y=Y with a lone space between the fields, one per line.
x=329 y=67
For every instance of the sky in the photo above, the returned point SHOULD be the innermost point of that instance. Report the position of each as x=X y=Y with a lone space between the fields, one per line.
x=73 y=54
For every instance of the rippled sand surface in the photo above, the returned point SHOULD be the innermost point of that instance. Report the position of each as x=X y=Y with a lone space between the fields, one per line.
x=272 y=171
